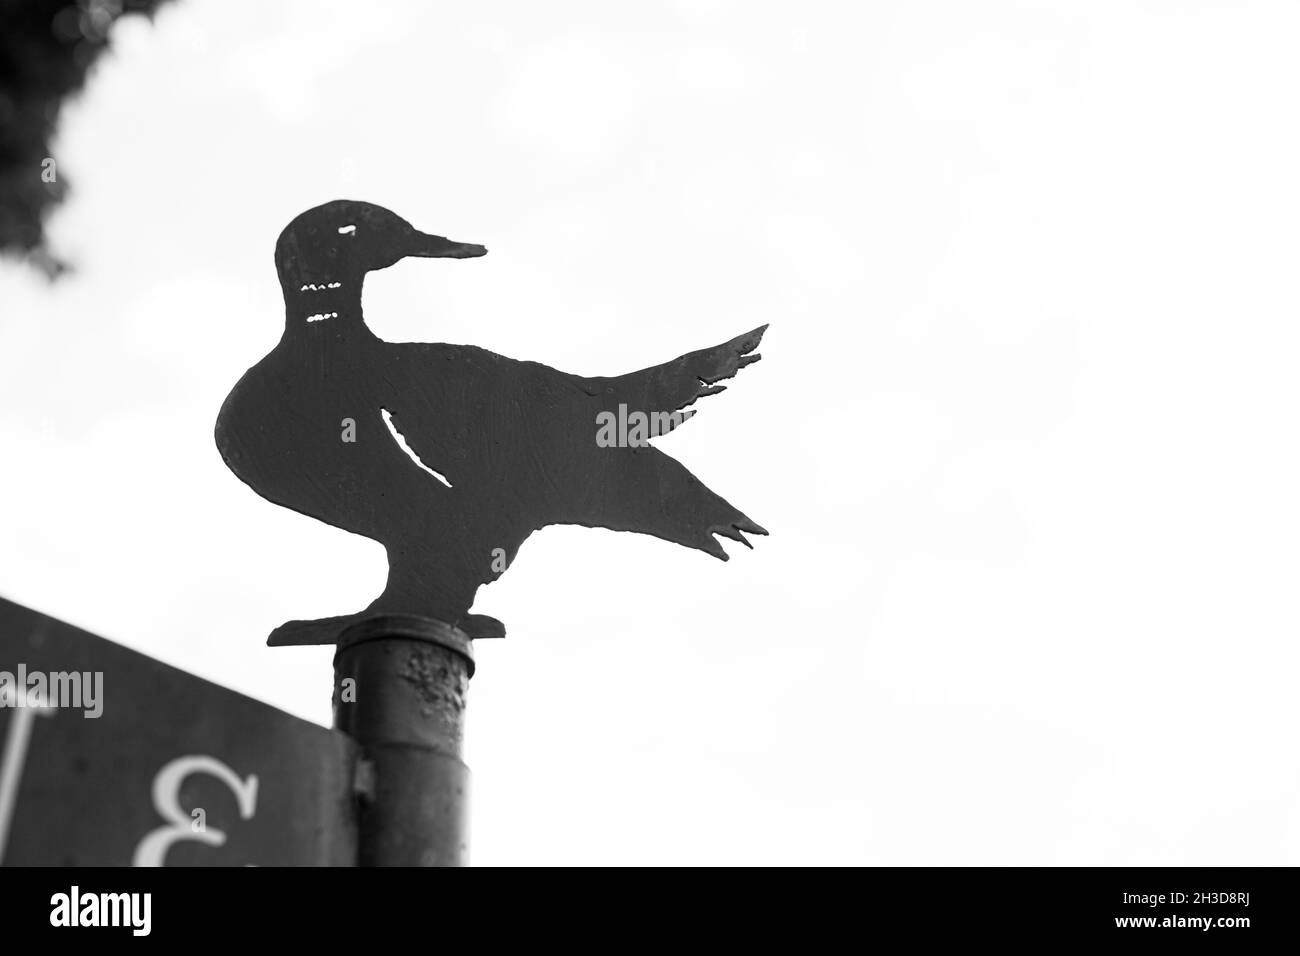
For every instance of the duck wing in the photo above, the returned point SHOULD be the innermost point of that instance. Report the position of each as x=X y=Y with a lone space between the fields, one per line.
x=476 y=418
x=674 y=385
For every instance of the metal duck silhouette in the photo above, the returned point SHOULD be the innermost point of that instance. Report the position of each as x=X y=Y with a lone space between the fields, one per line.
x=451 y=455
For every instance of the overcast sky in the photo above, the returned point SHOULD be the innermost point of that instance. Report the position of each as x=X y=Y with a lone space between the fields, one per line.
x=1023 y=433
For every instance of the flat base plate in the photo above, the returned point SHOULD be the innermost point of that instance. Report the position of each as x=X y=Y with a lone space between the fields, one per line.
x=329 y=630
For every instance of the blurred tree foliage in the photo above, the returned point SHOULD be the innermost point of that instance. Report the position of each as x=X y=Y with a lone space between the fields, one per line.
x=47 y=48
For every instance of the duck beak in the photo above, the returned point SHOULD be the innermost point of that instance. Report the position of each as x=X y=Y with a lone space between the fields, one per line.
x=437 y=247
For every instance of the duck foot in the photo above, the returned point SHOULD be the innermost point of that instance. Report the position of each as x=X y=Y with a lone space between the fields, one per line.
x=325 y=630
x=480 y=626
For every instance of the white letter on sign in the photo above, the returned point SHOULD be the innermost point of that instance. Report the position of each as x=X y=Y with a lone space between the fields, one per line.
x=15 y=752
x=166 y=800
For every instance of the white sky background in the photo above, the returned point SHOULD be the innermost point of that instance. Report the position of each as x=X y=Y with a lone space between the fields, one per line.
x=1024 y=431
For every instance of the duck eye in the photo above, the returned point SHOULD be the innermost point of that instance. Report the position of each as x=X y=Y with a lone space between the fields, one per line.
x=347 y=230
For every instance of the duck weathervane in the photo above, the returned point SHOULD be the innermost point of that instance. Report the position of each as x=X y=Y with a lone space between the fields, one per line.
x=450 y=455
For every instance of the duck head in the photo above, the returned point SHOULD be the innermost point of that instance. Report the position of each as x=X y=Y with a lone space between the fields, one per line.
x=323 y=256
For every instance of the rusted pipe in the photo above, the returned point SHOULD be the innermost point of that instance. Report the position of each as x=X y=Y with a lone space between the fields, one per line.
x=399 y=690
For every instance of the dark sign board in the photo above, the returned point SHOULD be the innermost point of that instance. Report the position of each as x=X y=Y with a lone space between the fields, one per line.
x=111 y=758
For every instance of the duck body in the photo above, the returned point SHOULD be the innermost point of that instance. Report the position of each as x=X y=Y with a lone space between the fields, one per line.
x=449 y=455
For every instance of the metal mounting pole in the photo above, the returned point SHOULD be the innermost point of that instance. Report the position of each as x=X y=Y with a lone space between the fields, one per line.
x=399 y=690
